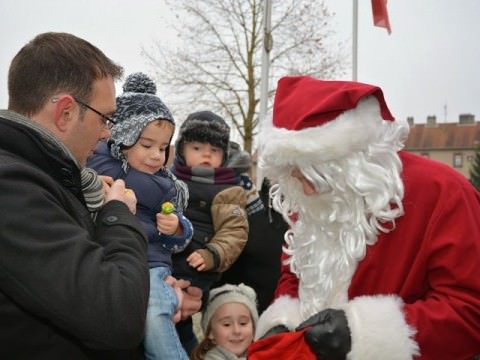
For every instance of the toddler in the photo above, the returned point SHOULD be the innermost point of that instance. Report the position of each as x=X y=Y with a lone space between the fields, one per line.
x=137 y=152
x=216 y=207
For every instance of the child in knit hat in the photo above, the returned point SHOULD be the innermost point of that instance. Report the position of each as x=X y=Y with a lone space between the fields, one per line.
x=228 y=323
x=216 y=208
x=137 y=153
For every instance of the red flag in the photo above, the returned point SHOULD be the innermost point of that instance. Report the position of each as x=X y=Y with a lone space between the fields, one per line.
x=380 y=14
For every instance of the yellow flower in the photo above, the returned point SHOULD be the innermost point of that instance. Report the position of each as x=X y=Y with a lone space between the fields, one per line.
x=167 y=208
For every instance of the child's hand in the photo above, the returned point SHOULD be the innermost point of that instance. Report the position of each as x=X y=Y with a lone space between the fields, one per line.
x=167 y=224
x=196 y=261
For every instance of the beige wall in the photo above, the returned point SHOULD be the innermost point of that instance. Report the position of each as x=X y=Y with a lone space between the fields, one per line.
x=446 y=157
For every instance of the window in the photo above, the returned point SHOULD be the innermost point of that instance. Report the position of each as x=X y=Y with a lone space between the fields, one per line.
x=457 y=160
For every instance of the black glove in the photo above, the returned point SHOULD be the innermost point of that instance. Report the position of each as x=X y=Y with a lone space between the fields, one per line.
x=328 y=335
x=275 y=330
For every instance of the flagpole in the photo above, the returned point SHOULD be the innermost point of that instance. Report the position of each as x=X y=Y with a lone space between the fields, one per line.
x=267 y=46
x=354 y=40
x=264 y=79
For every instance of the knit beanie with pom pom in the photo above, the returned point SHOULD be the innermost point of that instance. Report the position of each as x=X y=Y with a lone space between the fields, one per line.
x=137 y=107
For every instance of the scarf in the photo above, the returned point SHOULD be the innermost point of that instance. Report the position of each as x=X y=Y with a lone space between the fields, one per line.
x=92 y=186
x=206 y=175
x=221 y=175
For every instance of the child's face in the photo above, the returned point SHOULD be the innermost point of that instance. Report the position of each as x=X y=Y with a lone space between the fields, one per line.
x=148 y=153
x=231 y=327
x=202 y=154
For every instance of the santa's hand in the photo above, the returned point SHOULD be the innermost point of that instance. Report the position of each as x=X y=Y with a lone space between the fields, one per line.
x=275 y=330
x=328 y=334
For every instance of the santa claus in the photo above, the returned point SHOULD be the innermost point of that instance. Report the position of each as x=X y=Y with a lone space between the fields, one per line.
x=382 y=259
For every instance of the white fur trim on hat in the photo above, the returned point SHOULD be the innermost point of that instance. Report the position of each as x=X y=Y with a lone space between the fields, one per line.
x=351 y=131
x=283 y=311
x=229 y=293
x=379 y=330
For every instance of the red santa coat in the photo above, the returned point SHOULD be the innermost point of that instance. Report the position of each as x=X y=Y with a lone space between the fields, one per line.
x=419 y=285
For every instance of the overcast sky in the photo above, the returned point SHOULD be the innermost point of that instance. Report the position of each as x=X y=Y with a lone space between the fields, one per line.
x=429 y=65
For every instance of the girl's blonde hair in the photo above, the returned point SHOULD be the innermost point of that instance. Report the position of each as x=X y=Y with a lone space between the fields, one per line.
x=203 y=347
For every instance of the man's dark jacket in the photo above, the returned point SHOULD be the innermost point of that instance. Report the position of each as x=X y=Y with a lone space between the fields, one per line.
x=69 y=288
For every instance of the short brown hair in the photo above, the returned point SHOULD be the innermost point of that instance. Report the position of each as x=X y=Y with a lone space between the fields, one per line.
x=55 y=62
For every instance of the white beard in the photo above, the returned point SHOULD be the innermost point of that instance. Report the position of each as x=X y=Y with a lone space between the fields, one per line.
x=334 y=226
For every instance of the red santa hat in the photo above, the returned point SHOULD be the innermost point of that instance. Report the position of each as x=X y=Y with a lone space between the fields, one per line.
x=315 y=119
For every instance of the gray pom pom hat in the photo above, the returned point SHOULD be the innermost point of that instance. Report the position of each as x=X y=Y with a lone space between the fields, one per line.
x=137 y=107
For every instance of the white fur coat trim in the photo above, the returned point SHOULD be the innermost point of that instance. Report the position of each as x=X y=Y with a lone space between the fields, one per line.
x=351 y=131
x=379 y=330
x=284 y=311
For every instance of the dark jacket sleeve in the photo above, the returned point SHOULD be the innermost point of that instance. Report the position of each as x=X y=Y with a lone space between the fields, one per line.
x=91 y=282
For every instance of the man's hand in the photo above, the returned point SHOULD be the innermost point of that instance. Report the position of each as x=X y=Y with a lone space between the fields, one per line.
x=328 y=334
x=192 y=296
x=178 y=314
x=107 y=181
x=192 y=301
x=117 y=191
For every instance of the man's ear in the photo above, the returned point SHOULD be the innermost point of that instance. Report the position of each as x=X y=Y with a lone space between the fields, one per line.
x=64 y=113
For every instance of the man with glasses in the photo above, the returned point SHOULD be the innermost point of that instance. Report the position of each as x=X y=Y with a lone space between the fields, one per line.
x=70 y=287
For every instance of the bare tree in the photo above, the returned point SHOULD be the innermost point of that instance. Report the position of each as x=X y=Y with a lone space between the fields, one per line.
x=216 y=62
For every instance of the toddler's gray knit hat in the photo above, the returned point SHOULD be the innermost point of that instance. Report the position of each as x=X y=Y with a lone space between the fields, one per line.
x=229 y=293
x=137 y=107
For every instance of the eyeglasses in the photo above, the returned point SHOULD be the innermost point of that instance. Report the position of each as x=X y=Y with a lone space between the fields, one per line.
x=107 y=120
